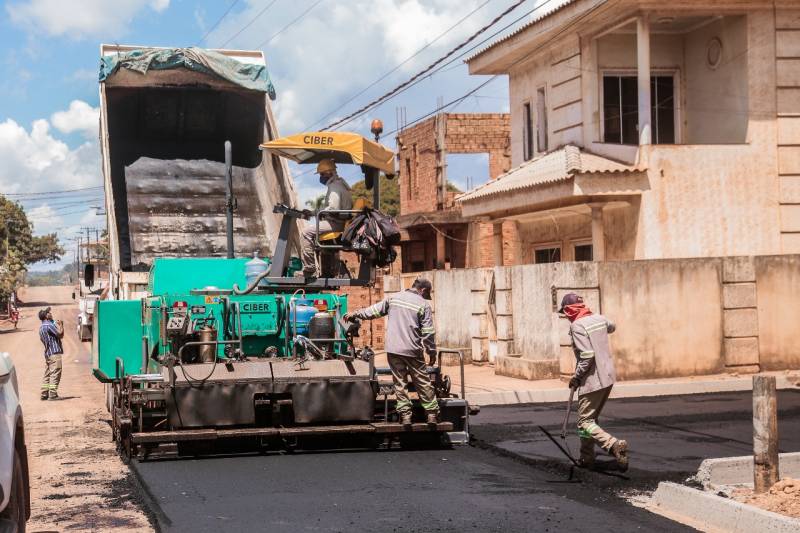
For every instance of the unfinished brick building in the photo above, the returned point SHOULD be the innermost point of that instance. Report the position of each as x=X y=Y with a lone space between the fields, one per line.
x=435 y=235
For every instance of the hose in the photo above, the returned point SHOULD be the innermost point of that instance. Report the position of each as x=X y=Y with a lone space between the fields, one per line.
x=250 y=288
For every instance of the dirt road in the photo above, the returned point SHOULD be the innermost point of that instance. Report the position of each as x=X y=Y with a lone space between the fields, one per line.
x=77 y=480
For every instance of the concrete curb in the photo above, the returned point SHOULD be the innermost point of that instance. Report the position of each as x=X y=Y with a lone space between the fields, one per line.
x=711 y=512
x=714 y=473
x=624 y=390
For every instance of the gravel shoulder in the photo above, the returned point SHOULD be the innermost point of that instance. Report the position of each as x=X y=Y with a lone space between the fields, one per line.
x=77 y=479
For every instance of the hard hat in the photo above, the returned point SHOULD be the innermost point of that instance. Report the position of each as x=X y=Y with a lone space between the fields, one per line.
x=326 y=165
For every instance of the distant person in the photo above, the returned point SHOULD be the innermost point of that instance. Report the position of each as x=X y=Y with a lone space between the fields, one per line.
x=594 y=378
x=50 y=333
x=337 y=197
x=409 y=335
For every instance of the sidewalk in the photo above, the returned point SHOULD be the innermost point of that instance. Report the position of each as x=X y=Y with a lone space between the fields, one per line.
x=484 y=387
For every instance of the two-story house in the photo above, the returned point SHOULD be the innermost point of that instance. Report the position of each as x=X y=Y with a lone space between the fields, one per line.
x=647 y=129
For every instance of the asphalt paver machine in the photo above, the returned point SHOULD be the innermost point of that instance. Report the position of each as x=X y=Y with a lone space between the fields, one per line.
x=231 y=352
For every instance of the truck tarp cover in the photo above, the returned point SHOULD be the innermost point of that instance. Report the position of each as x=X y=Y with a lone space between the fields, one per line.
x=248 y=75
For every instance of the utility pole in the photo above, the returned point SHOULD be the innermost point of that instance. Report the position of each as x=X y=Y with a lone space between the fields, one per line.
x=765 y=433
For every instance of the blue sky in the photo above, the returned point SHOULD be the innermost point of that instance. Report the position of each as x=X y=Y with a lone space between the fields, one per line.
x=48 y=75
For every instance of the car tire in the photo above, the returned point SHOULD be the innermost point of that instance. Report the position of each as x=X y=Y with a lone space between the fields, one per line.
x=14 y=513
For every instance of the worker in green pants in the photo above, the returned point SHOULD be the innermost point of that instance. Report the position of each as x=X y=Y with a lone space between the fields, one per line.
x=409 y=335
x=594 y=378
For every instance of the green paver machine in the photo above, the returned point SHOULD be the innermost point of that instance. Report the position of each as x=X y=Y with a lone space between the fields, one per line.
x=241 y=352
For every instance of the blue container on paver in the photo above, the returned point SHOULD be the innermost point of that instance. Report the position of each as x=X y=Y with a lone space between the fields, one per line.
x=300 y=313
x=254 y=268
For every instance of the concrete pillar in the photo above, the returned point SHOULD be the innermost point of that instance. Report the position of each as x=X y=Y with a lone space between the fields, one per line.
x=440 y=250
x=497 y=243
x=643 y=75
x=479 y=325
x=598 y=233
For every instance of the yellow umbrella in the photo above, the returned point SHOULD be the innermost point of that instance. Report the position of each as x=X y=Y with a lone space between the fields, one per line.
x=342 y=147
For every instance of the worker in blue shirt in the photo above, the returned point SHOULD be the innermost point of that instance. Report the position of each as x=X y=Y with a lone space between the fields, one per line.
x=50 y=333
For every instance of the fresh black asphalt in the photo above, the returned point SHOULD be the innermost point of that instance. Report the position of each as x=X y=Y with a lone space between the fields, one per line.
x=512 y=479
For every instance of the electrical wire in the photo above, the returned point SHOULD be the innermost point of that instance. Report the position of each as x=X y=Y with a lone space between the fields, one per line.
x=294 y=21
x=427 y=69
x=258 y=15
x=64 y=191
x=441 y=69
x=445 y=106
x=409 y=58
x=217 y=22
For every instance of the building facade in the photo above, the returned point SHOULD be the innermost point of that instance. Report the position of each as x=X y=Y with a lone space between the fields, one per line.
x=645 y=130
x=435 y=235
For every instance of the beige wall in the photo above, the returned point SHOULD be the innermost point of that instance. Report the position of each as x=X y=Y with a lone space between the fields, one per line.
x=668 y=316
x=679 y=317
x=778 y=283
x=716 y=100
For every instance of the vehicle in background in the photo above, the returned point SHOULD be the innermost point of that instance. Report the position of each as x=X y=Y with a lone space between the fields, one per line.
x=15 y=508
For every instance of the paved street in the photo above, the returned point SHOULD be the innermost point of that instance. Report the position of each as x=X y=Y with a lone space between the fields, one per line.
x=465 y=489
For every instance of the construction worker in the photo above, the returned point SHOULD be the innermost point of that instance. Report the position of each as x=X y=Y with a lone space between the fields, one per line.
x=50 y=333
x=409 y=333
x=594 y=378
x=337 y=197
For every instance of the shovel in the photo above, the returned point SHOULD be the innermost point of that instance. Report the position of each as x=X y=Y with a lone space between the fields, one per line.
x=565 y=448
x=566 y=416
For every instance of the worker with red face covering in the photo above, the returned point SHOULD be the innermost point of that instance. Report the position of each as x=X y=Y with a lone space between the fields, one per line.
x=594 y=378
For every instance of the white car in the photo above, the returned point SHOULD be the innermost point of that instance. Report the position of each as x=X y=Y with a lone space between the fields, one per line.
x=15 y=508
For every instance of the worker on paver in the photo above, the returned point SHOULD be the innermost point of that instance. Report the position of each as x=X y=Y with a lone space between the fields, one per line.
x=409 y=333
x=50 y=333
x=337 y=197
x=594 y=378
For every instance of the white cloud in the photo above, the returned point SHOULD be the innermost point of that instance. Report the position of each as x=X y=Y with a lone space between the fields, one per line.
x=45 y=219
x=80 y=19
x=35 y=161
x=325 y=58
x=79 y=117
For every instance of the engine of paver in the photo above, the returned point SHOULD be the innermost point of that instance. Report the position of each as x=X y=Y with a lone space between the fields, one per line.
x=195 y=361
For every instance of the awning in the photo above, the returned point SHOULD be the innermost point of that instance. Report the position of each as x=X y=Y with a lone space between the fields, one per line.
x=563 y=177
x=342 y=147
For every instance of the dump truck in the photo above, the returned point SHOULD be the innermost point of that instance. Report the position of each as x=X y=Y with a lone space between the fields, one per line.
x=165 y=115
x=205 y=347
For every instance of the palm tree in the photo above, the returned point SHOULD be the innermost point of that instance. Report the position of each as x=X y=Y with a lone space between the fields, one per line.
x=316 y=203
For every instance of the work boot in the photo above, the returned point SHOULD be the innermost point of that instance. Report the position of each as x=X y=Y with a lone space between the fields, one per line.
x=44 y=396
x=620 y=452
x=405 y=419
x=433 y=419
x=53 y=395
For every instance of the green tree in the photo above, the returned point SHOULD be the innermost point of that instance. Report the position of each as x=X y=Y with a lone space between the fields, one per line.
x=390 y=194
x=20 y=248
x=315 y=203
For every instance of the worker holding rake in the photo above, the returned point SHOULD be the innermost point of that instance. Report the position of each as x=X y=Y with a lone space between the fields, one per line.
x=593 y=380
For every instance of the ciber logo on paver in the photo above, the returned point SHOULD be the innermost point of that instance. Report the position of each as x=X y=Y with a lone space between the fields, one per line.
x=256 y=307
x=317 y=139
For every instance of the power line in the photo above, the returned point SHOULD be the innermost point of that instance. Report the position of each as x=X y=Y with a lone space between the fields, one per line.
x=415 y=54
x=294 y=21
x=460 y=99
x=51 y=192
x=217 y=22
x=427 y=69
x=258 y=15
x=454 y=59
x=445 y=106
